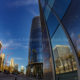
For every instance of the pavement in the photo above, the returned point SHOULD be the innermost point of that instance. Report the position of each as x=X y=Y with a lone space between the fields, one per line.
x=13 y=77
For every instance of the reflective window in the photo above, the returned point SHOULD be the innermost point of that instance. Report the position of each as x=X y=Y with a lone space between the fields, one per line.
x=51 y=2
x=43 y=4
x=64 y=59
x=71 y=22
x=60 y=6
x=47 y=12
x=47 y=60
x=52 y=23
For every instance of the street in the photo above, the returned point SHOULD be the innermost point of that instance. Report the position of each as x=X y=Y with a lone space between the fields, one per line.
x=12 y=77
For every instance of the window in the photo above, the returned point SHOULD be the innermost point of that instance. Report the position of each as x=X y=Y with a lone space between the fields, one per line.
x=60 y=6
x=52 y=23
x=71 y=22
x=47 y=12
x=65 y=64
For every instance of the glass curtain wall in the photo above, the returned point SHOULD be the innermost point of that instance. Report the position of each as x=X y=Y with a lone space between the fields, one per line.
x=61 y=18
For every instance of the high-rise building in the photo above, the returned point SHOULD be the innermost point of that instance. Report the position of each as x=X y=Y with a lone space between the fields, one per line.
x=0 y=62
x=0 y=45
x=61 y=50
x=35 y=48
x=2 y=57
x=22 y=69
x=12 y=62
x=12 y=65
x=61 y=20
x=16 y=67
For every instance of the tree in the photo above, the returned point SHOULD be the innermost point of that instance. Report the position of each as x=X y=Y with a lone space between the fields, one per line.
x=63 y=62
x=67 y=61
x=71 y=57
x=57 y=64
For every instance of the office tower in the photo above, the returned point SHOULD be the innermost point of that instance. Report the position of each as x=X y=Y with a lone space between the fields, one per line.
x=12 y=62
x=0 y=62
x=2 y=57
x=11 y=67
x=35 y=48
x=0 y=45
x=16 y=67
x=22 y=69
x=61 y=50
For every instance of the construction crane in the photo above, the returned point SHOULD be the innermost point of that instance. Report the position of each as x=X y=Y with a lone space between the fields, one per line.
x=4 y=48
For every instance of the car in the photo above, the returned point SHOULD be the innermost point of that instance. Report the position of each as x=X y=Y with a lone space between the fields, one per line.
x=6 y=72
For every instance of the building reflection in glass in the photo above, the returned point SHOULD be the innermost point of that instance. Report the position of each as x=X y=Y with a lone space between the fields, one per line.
x=61 y=18
x=47 y=59
x=64 y=59
x=71 y=21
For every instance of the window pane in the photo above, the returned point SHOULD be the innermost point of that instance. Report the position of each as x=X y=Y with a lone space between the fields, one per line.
x=47 y=59
x=43 y=4
x=52 y=23
x=47 y=12
x=64 y=58
x=51 y=2
x=60 y=6
x=71 y=22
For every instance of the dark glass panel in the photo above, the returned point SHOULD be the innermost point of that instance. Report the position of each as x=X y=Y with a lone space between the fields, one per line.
x=47 y=12
x=65 y=64
x=71 y=22
x=60 y=6
x=52 y=23
x=47 y=59
x=43 y=4
x=51 y=2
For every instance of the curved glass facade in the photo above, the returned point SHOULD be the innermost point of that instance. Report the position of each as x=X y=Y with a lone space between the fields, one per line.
x=35 y=52
x=35 y=65
x=61 y=20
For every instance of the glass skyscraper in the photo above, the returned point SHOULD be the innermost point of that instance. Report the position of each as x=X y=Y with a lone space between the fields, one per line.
x=60 y=21
x=35 y=49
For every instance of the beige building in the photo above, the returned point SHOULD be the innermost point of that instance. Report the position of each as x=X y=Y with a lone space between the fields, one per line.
x=22 y=69
x=11 y=67
x=0 y=45
x=2 y=57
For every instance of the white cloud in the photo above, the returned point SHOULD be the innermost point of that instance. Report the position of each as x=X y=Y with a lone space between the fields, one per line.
x=7 y=44
x=33 y=12
x=20 y=3
x=15 y=44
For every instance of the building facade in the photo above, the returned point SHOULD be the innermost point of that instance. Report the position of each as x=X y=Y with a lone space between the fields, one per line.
x=2 y=58
x=61 y=21
x=35 y=49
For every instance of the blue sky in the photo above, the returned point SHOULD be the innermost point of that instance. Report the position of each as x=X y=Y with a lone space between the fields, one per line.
x=60 y=38
x=15 y=23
